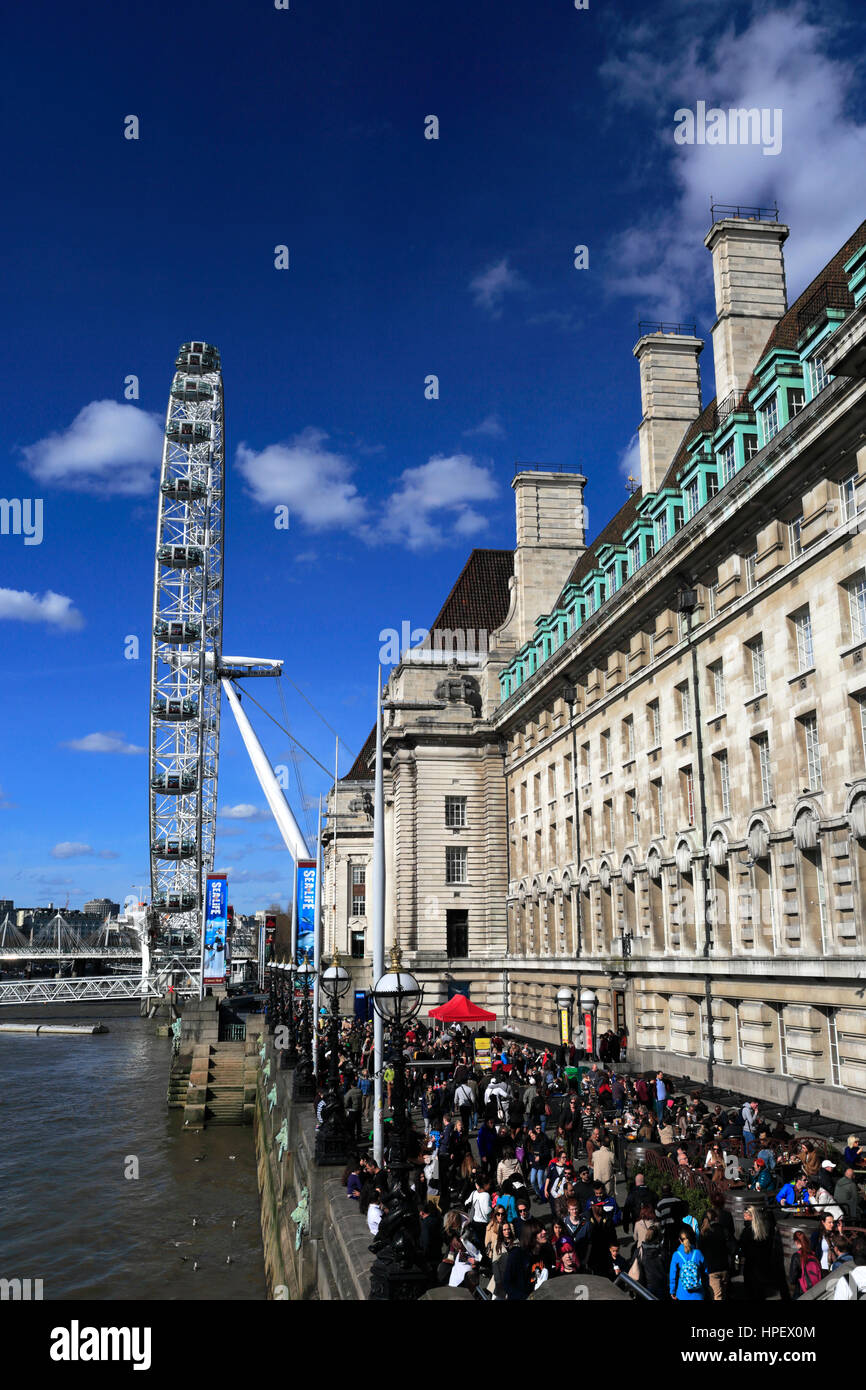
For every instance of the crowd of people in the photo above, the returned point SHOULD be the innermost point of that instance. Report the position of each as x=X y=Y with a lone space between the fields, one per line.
x=519 y=1176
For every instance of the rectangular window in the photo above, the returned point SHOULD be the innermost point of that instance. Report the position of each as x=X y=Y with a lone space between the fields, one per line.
x=833 y=1045
x=628 y=738
x=654 y=723
x=750 y=562
x=658 y=807
x=769 y=418
x=764 y=778
x=604 y=750
x=783 y=1041
x=688 y=780
x=455 y=810
x=712 y=599
x=357 y=945
x=817 y=376
x=759 y=671
x=796 y=400
x=691 y=499
x=685 y=698
x=608 y=824
x=662 y=529
x=457 y=932
x=860 y=702
x=634 y=556
x=359 y=904
x=584 y=762
x=805 y=649
x=712 y=483
x=723 y=783
x=587 y=833
x=857 y=606
x=523 y=798
x=795 y=537
x=551 y=782
x=359 y=874
x=650 y=544
x=567 y=771
x=750 y=446
x=727 y=462
x=717 y=671
x=455 y=865
x=848 y=497
x=813 y=752
x=631 y=815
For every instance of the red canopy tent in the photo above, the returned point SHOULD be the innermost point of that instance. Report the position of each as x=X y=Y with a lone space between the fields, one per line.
x=460 y=1010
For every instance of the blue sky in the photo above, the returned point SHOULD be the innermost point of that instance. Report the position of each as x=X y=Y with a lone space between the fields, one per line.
x=408 y=257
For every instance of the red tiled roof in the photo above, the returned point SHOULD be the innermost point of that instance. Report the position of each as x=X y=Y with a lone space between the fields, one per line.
x=478 y=602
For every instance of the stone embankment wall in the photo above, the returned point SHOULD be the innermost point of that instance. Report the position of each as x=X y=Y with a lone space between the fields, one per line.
x=332 y=1260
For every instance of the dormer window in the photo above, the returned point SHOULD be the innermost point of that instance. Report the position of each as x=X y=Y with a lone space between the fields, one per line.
x=769 y=419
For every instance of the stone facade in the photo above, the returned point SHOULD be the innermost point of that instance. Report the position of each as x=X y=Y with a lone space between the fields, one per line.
x=665 y=774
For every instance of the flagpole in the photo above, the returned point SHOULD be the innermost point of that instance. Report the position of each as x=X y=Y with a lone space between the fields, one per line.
x=378 y=915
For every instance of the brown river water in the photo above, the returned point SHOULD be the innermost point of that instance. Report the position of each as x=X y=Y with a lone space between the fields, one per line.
x=73 y=1112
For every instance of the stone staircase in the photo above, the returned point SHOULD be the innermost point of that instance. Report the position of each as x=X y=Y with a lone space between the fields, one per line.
x=178 y=1083
x=221 y=1085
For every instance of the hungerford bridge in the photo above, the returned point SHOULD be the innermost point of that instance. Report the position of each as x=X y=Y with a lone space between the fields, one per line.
x=140 y=972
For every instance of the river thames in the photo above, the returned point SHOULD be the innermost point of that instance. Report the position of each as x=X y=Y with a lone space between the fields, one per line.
x=74 y=1113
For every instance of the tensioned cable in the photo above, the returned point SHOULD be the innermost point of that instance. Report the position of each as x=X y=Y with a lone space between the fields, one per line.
x=319 y=713
x=310 y=755
x=296 y=764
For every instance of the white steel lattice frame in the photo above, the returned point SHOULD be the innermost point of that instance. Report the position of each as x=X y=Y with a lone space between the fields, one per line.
x=188 y=670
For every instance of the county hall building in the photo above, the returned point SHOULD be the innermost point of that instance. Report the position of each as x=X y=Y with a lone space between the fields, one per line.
x=638 y=766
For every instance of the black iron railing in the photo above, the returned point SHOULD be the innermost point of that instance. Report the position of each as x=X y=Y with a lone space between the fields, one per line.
x=833 y=294
x=648 y=326
x=720 y=211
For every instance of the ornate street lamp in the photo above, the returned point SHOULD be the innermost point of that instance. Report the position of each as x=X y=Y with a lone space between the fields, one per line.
x=289 y=1054
x=396 y=1274
x=304 y=1086
x=273 y=997
x=564 y=1004
x=332 y=1136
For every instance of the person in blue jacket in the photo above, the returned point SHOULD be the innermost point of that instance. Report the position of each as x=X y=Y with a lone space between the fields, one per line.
x=688 y=1275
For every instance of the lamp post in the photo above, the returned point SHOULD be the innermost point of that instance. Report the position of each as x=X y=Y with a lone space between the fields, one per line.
x=332 y=1136
x=564 y=1004
x=396 y=1274
x=304 y=1086
x=589 y=1005
x=289 y=1054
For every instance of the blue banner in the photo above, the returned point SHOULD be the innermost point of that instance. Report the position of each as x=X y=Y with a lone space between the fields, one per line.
x=305 y=887
x=215 y=929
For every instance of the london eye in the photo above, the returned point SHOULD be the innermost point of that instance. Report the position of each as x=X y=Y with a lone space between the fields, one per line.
x=187 y=637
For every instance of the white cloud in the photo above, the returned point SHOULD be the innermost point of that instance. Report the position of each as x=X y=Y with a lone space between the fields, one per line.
x=55 y=609
x=111 y=742
x=440 y=489
x=312 y=481
x=108 y=446
x=781 y=59
x=108 y=854
x=490 y=286
x=71 y=849
x=629 y=459
x=491 y=426
x=244 y=811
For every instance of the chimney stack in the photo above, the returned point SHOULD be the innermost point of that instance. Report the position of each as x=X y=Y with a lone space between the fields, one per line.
x=670 y=393
x=551 y=536
x=749 y=278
